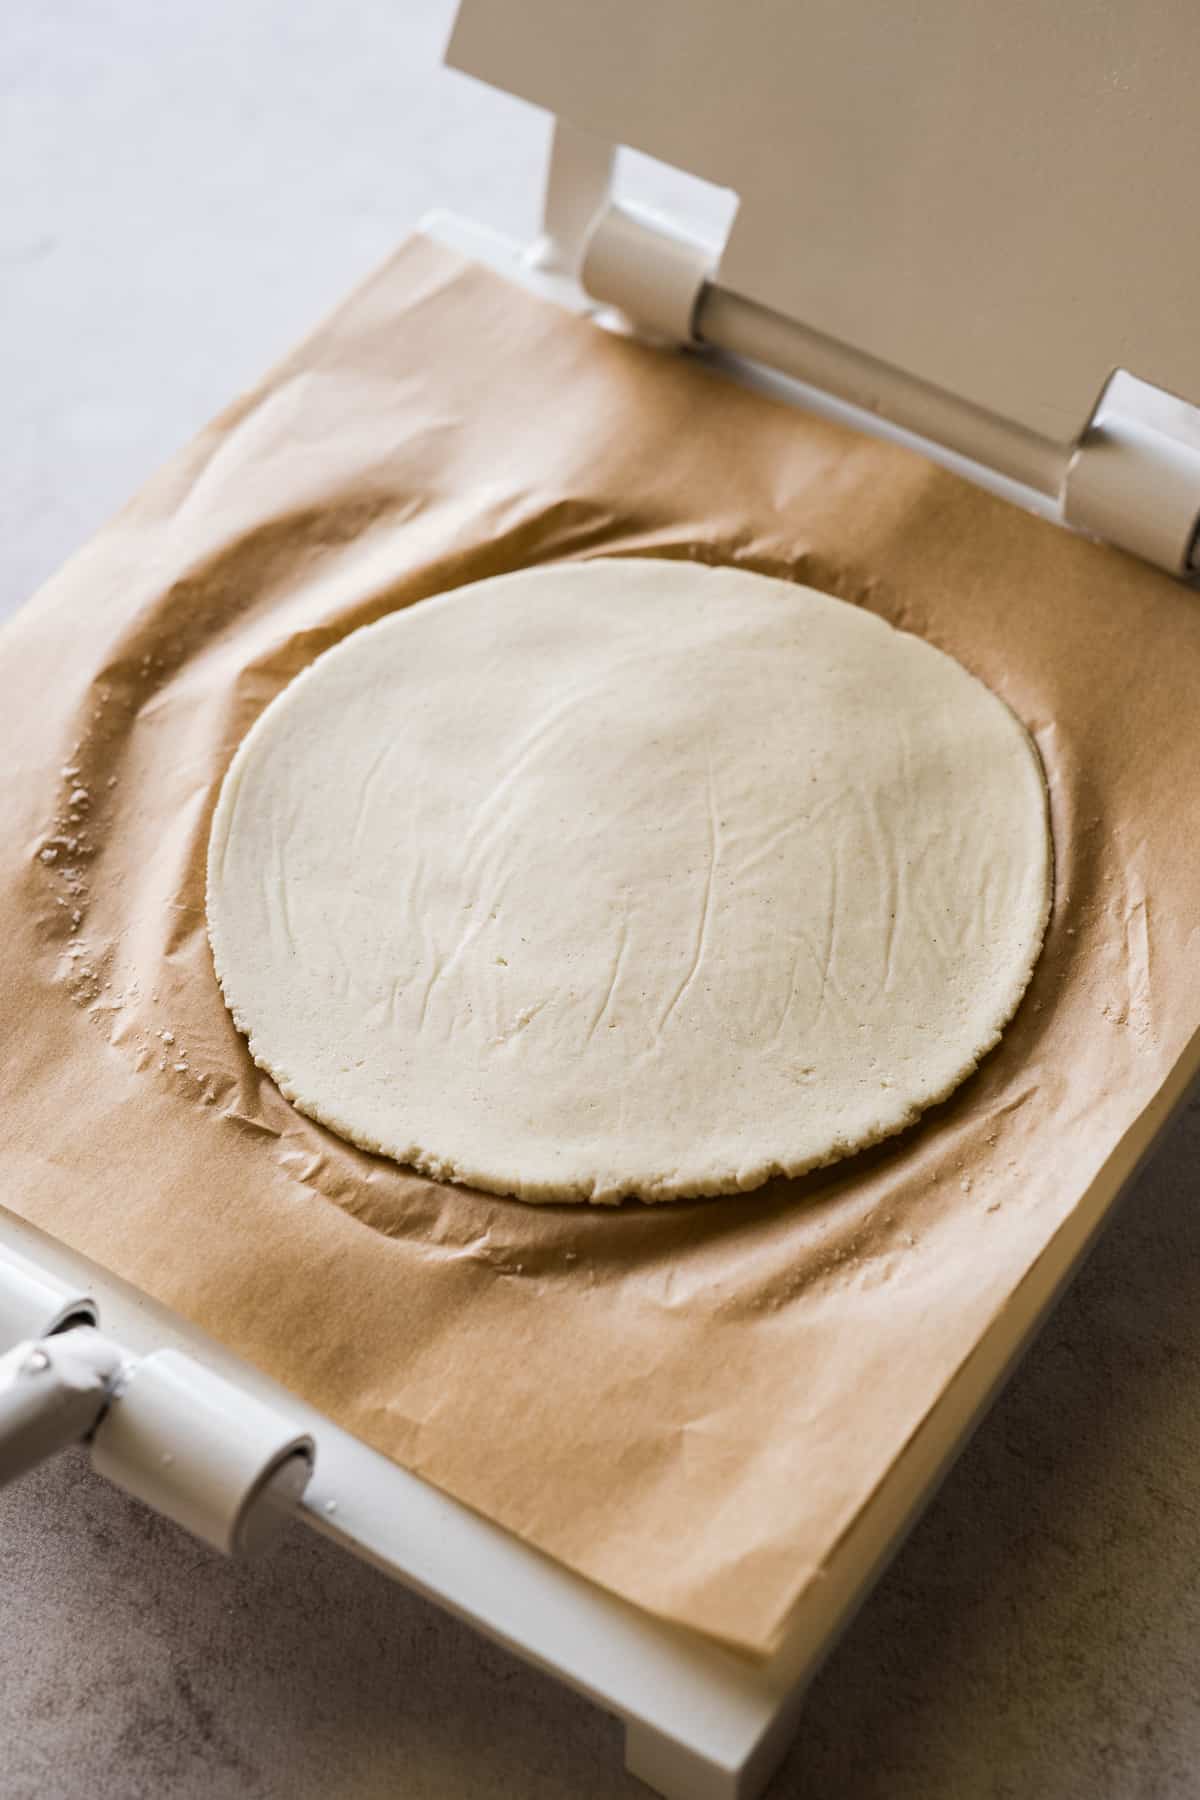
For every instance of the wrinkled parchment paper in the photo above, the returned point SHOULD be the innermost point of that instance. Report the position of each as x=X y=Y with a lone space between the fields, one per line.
x=687 y=1403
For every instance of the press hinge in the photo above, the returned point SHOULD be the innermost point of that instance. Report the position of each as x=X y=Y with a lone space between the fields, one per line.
x=634 y=262
x=1132 y=478
x=168 y=1430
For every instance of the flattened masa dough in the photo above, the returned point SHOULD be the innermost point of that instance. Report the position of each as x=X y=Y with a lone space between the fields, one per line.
x=627 y=877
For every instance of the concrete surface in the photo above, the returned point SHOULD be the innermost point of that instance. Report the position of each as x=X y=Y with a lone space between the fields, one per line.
x=183 y=189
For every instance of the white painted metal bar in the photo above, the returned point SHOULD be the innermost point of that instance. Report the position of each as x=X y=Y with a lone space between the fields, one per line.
x=1130 y=475
x=578 y=176
x=725 y=321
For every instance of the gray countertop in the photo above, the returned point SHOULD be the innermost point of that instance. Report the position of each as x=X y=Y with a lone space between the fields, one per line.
x=183 y=189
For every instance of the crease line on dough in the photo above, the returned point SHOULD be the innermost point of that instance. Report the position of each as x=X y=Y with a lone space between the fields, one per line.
x=435 y=973
x=364 y=798
x=894 y=878
x=274 y=886
x=714 y=854
x=803 y=822
x=830 y=950
x=802 y=944
x=613 y=978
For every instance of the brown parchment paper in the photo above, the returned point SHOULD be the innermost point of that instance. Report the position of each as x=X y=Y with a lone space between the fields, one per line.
x=687 y=1403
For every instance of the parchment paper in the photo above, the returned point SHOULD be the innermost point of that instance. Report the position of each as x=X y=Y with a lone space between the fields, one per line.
x=687 y=1403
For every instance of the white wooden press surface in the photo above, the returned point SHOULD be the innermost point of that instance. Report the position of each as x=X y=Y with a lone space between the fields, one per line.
x=183 y=190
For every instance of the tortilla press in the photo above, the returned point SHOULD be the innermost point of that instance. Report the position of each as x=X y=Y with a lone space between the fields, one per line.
x=957 y=228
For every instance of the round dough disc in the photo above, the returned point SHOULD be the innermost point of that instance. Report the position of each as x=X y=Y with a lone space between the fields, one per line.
x=627 y=877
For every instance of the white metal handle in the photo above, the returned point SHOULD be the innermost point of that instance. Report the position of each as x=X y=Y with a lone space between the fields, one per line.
x=52 y=1393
